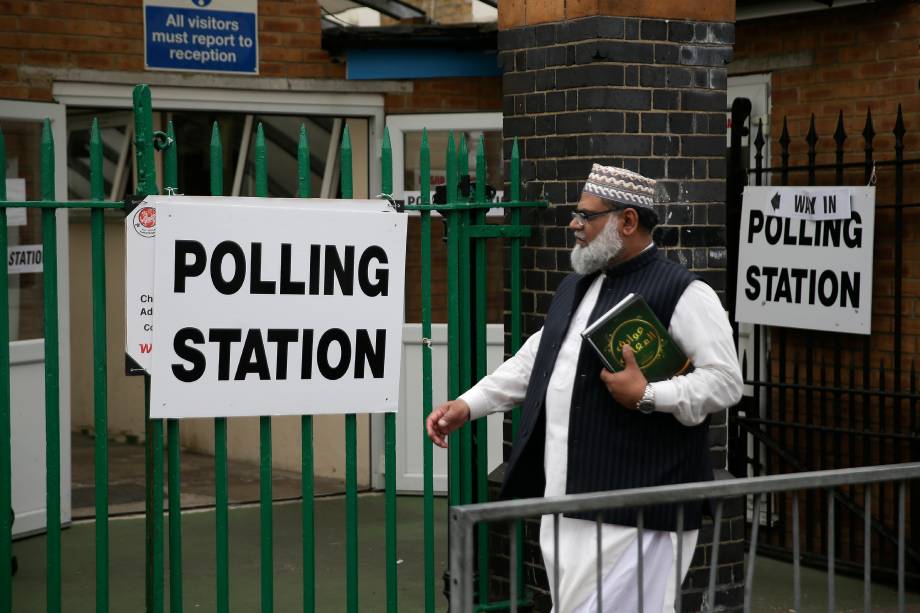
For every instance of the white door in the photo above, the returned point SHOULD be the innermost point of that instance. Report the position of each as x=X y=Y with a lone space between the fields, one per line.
x=22 y=127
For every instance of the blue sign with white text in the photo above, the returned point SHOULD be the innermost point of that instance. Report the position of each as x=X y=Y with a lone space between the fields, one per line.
x=198 y=39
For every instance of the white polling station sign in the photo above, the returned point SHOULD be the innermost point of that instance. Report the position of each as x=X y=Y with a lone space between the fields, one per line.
x=140 y=230
x=267 y=309
x=807 y=268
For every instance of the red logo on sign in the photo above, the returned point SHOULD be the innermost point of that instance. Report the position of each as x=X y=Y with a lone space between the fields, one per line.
x=145 y=221
x=147 y=217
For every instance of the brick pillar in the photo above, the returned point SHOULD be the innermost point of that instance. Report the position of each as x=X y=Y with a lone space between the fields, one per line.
x=641 y=85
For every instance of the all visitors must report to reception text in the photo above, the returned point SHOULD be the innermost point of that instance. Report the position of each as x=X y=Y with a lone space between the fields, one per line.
x=201 y=35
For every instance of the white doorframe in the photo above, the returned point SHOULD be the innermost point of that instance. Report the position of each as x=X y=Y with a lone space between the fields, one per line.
x=408 y=452
x=756 y=88
x=172 y=98
x=27 y=357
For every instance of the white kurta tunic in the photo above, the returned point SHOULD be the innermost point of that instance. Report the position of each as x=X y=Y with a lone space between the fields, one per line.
x=700 y=327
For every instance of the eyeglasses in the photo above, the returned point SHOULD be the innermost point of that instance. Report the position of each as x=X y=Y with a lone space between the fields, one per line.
x=582 y=217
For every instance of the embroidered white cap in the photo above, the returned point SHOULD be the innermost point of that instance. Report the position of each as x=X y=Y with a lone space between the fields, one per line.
x=621 y=186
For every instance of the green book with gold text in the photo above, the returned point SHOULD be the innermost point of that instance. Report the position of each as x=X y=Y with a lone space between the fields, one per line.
x=631 y=321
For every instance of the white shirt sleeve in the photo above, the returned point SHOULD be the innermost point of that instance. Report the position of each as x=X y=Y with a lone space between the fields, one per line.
x=507 y=385
x=700 y=327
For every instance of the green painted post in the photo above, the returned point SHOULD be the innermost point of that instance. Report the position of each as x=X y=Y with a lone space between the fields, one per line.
x=52 y=388
x=351 y=432
x=6 y=475
x=265 y=429
x=481 y=426
x=174 y=471
x=100 y=381
x=427 y=448
x=306 y=425
x=220 y=426
x=516 y=287
x=386 y=173
x=153 y=447
x=463 y=270
x=453 y=320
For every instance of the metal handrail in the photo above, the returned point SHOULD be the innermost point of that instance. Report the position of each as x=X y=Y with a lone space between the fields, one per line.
x=464 y=518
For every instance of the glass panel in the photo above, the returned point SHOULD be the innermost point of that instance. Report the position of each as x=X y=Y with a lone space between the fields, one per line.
x=437 y=140
x=23 y=182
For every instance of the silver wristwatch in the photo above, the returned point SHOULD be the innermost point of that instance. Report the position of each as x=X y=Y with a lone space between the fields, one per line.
x=647 y=403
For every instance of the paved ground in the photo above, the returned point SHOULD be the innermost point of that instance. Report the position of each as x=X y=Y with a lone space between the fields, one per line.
x=126 y=480
x=772 y=583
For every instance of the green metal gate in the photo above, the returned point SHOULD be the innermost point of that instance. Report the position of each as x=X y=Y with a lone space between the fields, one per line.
x=468 y=232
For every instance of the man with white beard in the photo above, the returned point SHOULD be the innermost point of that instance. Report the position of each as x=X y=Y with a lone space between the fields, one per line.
x=584 y=428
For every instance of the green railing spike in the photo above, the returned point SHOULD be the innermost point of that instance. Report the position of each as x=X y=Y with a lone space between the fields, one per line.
x=217 y=162
x=100 y=384
x=174 y=479
x=351 y=432
x=481 y=169
x=427 y=448
x=386 y=184
x=386 y=164
x=463 y=158
x=451 y=164
x=47 y=161
x=306 y=426
x=261 y=163
x=171 y=163
x=52 y=382
x=303 y=164
x=6 y=480
x=143 y=141
x=96 y=178
x=266 y=528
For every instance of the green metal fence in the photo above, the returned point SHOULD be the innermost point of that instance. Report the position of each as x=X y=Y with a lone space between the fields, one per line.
x=466 y=277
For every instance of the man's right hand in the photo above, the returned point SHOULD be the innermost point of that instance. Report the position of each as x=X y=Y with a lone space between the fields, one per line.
x=446 y=418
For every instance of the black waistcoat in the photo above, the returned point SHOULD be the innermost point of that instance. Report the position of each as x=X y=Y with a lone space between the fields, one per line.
x=610 y=447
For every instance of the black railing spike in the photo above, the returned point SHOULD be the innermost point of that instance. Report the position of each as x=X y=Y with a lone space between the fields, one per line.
x=759 y=141
x=869 y=131
x=840 y=134
x=840 y=137
x=784 y=141
x=868 y=135
x=812 y=139
x=899 y=130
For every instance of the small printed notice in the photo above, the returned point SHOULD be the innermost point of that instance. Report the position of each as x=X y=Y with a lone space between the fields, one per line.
x=814 y=203
x=23 y=259
x=201 y=35
x=140 y=232
x=807 y=272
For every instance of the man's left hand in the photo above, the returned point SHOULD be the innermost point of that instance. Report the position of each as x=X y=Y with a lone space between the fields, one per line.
x=628 y=385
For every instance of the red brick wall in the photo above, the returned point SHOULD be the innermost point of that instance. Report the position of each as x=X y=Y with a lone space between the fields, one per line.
x=862 y=57
x=456 y=95
x=109 y=35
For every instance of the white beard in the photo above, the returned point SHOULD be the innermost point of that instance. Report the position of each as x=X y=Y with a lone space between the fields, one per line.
x=597 y=254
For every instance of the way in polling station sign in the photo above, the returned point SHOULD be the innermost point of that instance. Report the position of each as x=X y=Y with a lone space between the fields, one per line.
x=805 y=258
x=275 y=307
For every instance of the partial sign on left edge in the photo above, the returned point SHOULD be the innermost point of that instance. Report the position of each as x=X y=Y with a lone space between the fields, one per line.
x=140 y=233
